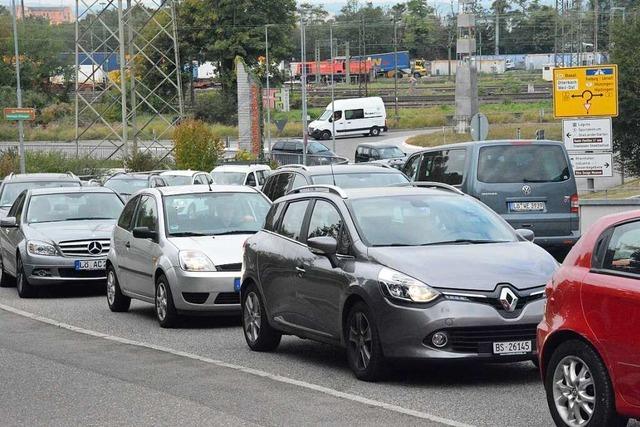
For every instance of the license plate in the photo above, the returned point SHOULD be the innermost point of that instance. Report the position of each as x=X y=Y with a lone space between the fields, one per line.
x=512 y=347
x=526 y=206
x=92 y=264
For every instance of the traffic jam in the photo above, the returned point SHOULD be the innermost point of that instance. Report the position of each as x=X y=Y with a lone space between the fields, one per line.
x=447 y=254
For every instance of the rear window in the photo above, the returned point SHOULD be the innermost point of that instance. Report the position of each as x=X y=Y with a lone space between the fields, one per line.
x=361 y=180
x=522 y=163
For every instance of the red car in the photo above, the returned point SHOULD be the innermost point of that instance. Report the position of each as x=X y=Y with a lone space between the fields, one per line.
x=589 y=338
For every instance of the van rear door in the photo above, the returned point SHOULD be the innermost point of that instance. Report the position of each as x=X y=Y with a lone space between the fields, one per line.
x=530 y=184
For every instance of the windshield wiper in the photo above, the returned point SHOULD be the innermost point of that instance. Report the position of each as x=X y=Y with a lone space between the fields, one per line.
x=535 y=180
x=236 y=232
x=393 y=245
x=460 y=241
x=86 y=218
x=189 y=234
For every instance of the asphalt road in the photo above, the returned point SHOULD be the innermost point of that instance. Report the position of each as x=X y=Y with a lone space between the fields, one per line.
x=346 y=146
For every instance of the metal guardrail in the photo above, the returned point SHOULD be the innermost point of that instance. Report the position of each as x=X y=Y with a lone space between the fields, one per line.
x=97 y=151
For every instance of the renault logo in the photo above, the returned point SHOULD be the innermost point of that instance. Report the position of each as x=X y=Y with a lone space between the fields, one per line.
x=94 y=248
x=526 y=190
x=508 y=299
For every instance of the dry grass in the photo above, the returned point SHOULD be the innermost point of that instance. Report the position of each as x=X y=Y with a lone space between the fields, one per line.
x=628 y=189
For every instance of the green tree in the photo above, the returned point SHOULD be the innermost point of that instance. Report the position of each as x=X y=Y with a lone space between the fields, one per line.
x=420 y=29
x=196 y=147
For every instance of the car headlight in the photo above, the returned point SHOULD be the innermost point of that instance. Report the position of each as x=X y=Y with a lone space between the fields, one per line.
x=403 y=287
x=35 y=247
x=195 y=261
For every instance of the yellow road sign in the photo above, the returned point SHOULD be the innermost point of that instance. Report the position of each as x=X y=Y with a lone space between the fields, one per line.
x=590 y=91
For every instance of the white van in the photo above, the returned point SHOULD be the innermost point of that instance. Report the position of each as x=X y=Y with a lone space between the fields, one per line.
x=358 y=116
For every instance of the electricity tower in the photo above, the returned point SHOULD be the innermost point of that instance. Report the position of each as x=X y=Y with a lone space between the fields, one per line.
x=127 y=79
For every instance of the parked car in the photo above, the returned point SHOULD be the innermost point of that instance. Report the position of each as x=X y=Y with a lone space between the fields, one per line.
x=380 y=152
x=57 y=235
x=251 y=175
x=287 y=178
x=530 y=183
x=290 y=152
x=14 y=184
x=394 y=273
x=186 y=177
x=357 y=116
x=590 y=335
x=127 y=183
x=183 y=260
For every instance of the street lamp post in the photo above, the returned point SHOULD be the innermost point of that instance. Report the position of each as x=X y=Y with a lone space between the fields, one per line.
x=266 y=43
x=333 y=118
x=303 y=57
x=18 y=87
x=395 y=65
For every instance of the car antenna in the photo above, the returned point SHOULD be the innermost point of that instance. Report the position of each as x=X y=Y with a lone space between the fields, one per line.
x=333 y=177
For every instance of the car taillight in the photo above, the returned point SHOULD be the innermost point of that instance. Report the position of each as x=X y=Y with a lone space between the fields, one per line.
x=575 y=203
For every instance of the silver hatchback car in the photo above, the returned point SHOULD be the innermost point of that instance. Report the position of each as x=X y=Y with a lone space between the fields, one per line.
x=180 y=248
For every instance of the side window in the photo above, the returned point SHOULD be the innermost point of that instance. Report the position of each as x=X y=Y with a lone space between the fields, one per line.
x=281 y=185
x=199 y=179
x=261 y=177
x=127 y=213
x=326 y=221
x=272 y=217
x=623 y=251
x=426 y=166
x=290 y=146
x=359 y=151
x=147 y=215
x=354 y=114
x=337 y=115
x=278 y=146
x=451 y=169
x=293 y=218
x=16 y=208
x=299 y=181
x=251 y=180
x=375 y=155
x=268 y=186
x=411 y=167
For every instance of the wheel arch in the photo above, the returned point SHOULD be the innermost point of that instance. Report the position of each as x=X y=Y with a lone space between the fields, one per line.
x=351 y=300
x=555 y=340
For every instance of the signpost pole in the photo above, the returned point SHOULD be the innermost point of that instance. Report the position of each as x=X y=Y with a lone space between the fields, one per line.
x=18 y=88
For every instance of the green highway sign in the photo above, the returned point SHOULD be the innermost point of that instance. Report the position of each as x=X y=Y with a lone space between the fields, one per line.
x=15 y=114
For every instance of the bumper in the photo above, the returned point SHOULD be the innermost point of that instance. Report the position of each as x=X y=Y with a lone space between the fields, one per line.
x=53 y=270
x=471 y=329
x=204 y=292
x=557 y=241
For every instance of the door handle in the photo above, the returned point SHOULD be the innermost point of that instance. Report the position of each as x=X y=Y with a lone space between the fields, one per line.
x=127 y=245
x=300 y=271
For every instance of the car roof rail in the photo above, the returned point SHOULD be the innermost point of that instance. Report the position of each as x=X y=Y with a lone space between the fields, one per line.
x=294 y=166
x=438 y=185
x=8 y=176
x=71 y=174
x=320 y=187
x=382 y=165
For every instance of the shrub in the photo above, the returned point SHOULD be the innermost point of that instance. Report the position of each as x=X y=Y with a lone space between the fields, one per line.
x=52 y=162
x=55 y=111
x=244 y=156
x=215 y=107
x=196 y=147
x=144 y=161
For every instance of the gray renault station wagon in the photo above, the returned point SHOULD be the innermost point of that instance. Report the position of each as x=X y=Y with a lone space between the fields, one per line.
x=530 y=183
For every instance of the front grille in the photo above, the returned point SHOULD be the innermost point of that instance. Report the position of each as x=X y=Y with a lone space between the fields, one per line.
x=227 y=298
x=495 y=302
x=229 y=267
x=80 y=248
x=72 y=273
x=195 y=297
x=479 y=339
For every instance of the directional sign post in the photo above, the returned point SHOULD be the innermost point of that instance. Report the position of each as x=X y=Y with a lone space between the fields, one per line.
x=479 y=127
x=587 y=134
x=590 y=91
x=590 y=165
x=17 y=114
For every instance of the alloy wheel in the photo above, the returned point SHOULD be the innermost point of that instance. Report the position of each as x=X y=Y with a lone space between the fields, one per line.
x=111 y=287
x=360 y=339
x=252 y=319
x=574 y=391
x=161 y=301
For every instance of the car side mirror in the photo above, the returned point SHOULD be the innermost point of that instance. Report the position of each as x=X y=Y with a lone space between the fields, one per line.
x=324 y=245
x=526 y=234
x=8 y=222
x=144 y=233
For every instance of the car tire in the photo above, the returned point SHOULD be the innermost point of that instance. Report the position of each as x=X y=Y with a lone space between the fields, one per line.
x=258 y=333
x=165 y=309
x=25 y=289
x=417 y=75
x=364 y=352
x=563 y=394
x=6 y=281
x=118 y=302
x=326 y=135
x=375 y=131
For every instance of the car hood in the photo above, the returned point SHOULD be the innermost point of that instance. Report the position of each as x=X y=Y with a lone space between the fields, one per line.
x=477 y=267
x=72 y=230
x=220 y=249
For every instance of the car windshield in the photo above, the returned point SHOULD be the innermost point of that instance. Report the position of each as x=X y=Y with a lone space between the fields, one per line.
x=177 y=179
x=420 y=220
x=316 y=147
x=228 y=178
x=127 y=186
x=325 y=116
x=522 y=163
x=13 y=189
x=361 y=179
x=390 y=152
x=212 y=213
x=73 y=206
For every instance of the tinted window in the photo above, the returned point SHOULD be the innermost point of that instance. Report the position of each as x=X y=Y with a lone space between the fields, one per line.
x=280 y=185
x=354 y=114
x=251 y=180
x=147 y=215
x=443 y=166
x=127 y=213
x=522 y=163
x=623 y=251
x=273 y=216
x=292 y=221
x=411 y=168
x=16 y=208
x=361 y=180
x=291 y=146
x=278 y=146
x=73 y=207
x=325 y=221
